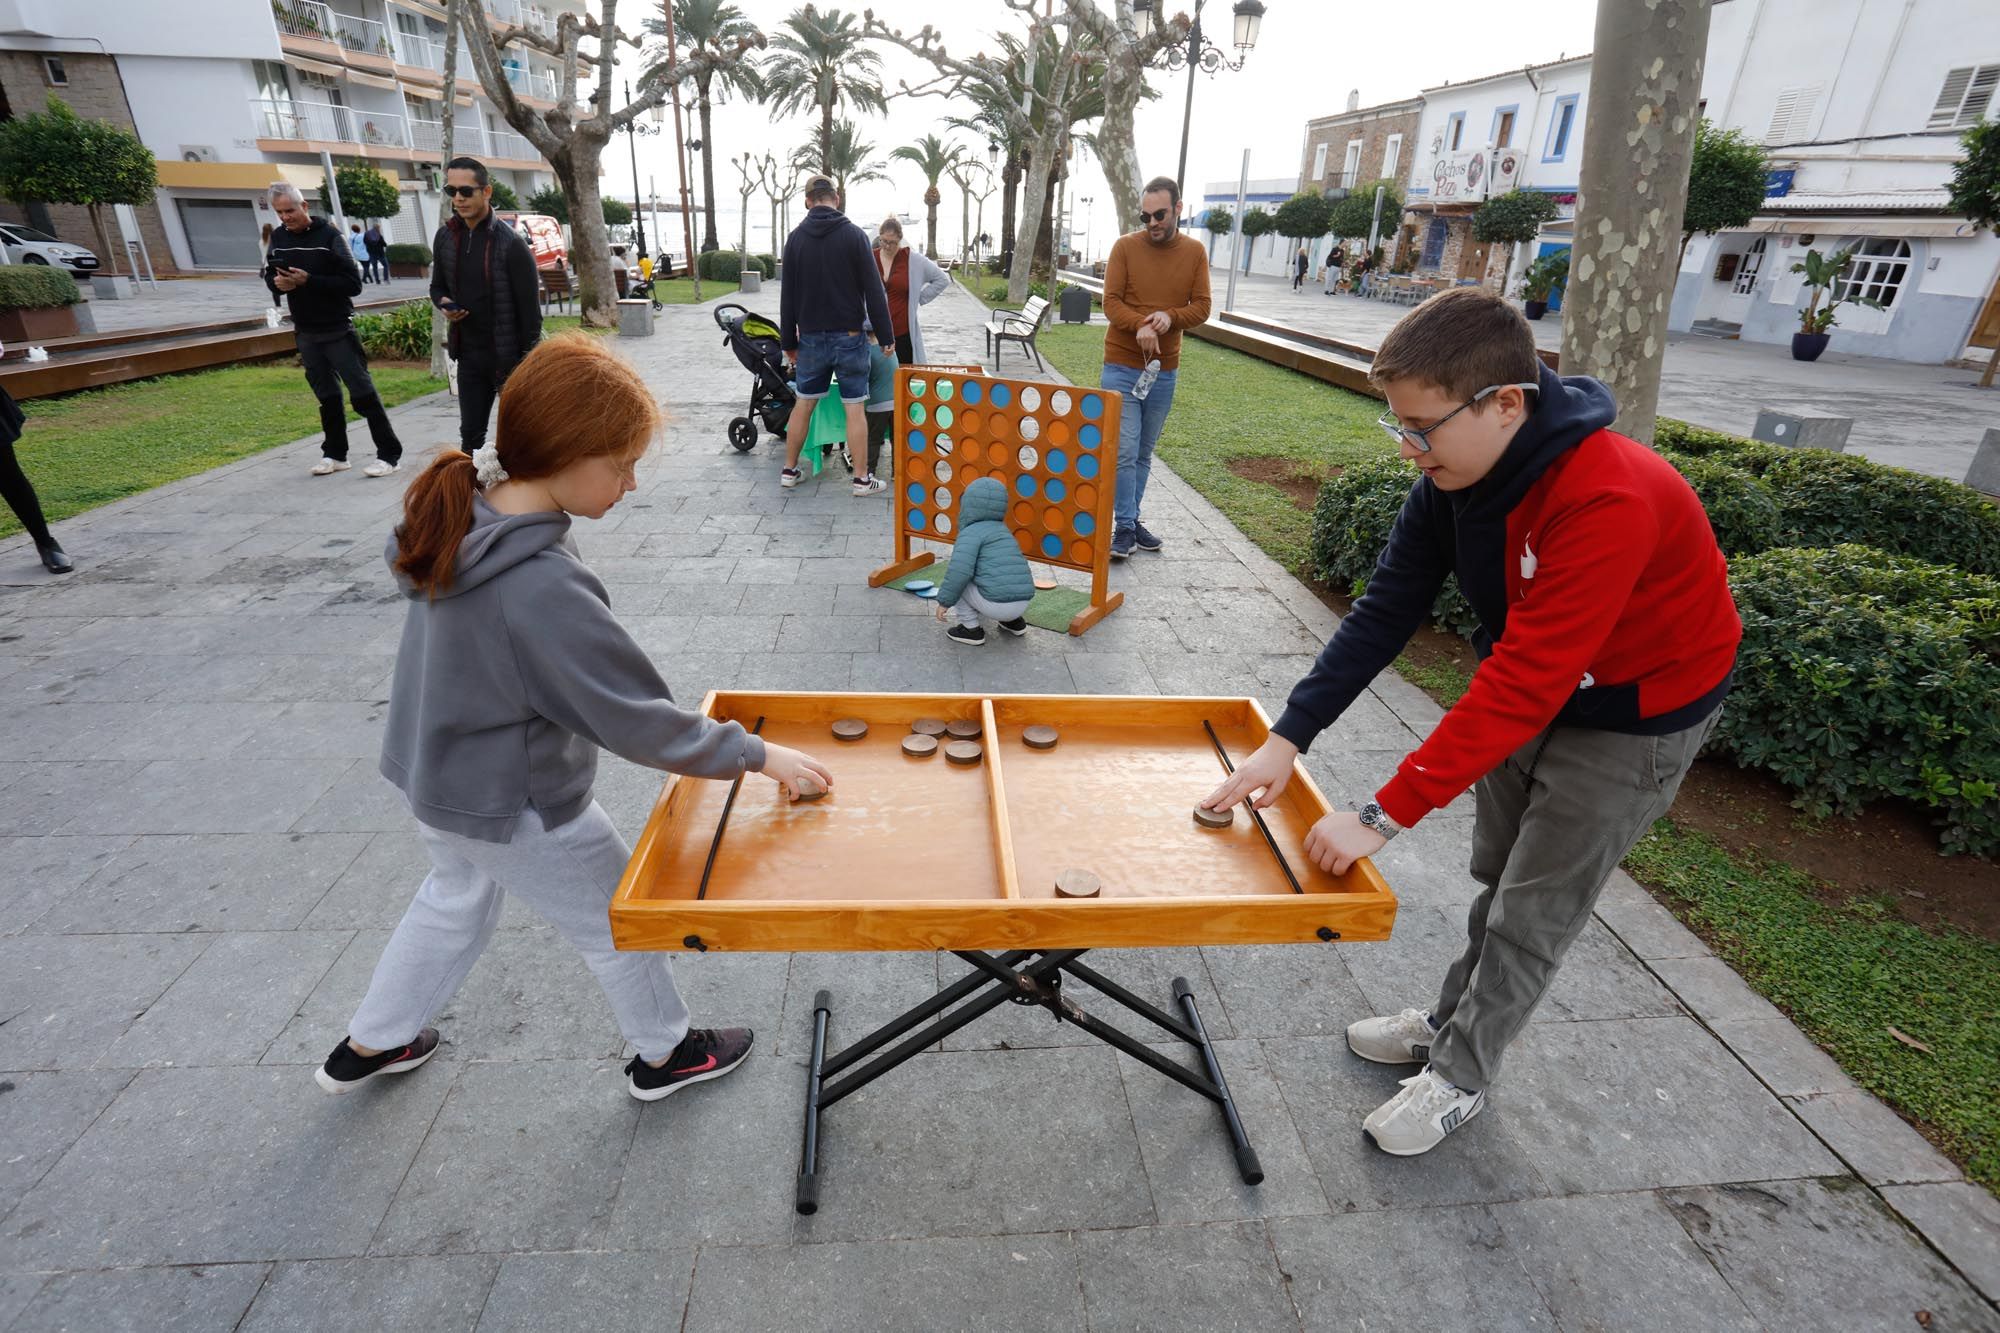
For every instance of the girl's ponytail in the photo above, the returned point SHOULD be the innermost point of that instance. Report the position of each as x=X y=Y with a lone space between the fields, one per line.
x=437 y=513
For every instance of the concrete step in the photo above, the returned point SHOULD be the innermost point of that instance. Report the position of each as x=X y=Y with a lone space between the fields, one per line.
x=1715 y=328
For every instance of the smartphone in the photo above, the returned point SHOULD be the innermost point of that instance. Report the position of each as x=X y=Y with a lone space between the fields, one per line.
x=449 y=306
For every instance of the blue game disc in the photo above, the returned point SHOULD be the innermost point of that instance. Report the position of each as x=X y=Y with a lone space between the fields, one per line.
x=928 y=592
x=920 y=587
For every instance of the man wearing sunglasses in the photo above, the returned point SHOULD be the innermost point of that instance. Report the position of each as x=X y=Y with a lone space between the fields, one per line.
x=483 y=278
x=1607 y=638
x=1155 y=286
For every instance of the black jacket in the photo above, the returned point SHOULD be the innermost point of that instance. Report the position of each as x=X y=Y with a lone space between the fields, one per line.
x=831 y=282
x=499 y=287
x=326 y=303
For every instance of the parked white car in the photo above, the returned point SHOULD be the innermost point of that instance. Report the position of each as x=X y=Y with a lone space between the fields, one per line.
x=25 y=245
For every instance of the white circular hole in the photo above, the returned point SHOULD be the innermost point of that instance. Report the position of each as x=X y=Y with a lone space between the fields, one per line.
x=1059 y=402
x=943 y=497
x=943 y=470
x=1031 y=428
x=1029 y=456
x=1031 y=399
x=944 y=445
x=943 y=524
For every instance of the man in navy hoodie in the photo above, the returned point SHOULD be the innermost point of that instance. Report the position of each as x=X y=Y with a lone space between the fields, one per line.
x=831 y=284
x=1607 y=639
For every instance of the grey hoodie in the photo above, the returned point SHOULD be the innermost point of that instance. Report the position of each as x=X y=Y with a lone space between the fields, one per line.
x=508 y=683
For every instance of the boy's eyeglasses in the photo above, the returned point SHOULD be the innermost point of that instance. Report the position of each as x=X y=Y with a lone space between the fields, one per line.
x=1422 y=438
x=463 y=191
x=1147 y=219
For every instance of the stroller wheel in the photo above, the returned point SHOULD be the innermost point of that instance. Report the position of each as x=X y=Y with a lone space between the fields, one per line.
x=743 y=434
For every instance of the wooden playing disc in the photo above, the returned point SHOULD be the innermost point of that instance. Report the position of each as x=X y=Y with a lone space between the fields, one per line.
x=1040 y=738
x=808 y=788
x=1215 y=818
x=849 y=729
x=964 y=752
x=963 y=728
x=927 y=726
x=920 y=747
x=1075 y=882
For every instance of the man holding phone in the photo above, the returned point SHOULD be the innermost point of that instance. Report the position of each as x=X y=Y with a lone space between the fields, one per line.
x=310 y=266
x=483 y=278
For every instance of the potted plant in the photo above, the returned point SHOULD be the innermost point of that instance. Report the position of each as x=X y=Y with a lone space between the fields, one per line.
x=36 y=303
x=409 y=260
x=1542 y=276
x=1816 y=320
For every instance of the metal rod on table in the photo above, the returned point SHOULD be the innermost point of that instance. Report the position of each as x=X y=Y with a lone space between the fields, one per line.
x=715 y=843
x=1248 y=804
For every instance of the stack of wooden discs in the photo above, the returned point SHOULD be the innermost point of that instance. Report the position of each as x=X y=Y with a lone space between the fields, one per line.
x=927 y=726
x=963 y=729
x=1039 y=738
x=849 y=729
x=1215 y=818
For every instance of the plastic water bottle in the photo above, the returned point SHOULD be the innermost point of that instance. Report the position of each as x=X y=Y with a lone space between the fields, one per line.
x=1146 y=378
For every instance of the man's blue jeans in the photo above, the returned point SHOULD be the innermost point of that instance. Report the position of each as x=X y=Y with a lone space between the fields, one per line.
x=1139 y=427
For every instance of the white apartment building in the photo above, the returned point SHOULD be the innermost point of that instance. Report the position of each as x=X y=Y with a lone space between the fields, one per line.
x=231 y=95
x=1269 y=254
x=1861 y=103
x=1483 y=137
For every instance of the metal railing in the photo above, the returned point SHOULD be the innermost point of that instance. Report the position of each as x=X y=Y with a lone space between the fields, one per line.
x=466 y=137
x=350 y=32
x=532 y=82
x=421 y=52
x=293 y=118
x=542 y=21
x=506 y=143
x=506 y=11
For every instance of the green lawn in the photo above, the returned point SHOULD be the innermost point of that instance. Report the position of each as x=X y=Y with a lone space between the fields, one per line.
x=1846 y=975
x=1229 y=407
x=92 y=448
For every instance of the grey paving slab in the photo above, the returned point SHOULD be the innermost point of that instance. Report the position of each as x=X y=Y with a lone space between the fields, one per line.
x=421 y=1295
x=548 y=1136
x=1785 y=1059
x=899 y=1286
x=1403 y=971
x=1634 y=1104
x=41 y=1115
x=1330 y=1090
x=1762 y=1238
x=1285 y=990
x=145 y=1300
x=602 y=1291
x=237 y=796
x=66 y=998
x=1218 y=1277
x=1712 y=990
x=1190 y=1167
x=1111 y=673
x=529 y=997
x=358 y=799
x=901 y=673
x=1645 y=927
x=16 y=1290
x=1874 y=1142
x=796 y=671
x=1473 y=1279
x=321 y=1019
x=1619 y=1261
x=320 y=730
x=196 y=1166
x=375 y=888
x=182 y=882
x=231 y=1002
x=1599 y=978
x=865 y=990
x=1962 y=1220
x=36 y=873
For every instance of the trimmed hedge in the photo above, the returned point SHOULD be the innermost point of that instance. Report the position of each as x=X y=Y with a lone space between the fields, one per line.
x=1351 y=522
x=409 y=252
x=769 y=263
x=1864 y=675
x=402 y=334
x=728 y=265
x=36 y=287
x=1742 y=511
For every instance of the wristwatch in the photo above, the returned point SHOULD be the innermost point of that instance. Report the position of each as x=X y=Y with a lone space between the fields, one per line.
x=1374 y=817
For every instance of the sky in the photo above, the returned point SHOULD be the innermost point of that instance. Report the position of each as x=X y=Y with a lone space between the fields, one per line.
x=1309 y=54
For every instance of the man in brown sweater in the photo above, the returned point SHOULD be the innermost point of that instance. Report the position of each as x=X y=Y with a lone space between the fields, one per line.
x=1155 y=285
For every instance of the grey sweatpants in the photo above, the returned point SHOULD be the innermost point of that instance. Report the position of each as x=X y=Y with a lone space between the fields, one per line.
x=1552 y=823
x=971 y=605
x=567 y=875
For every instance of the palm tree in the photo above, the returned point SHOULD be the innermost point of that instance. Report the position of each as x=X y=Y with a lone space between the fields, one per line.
x=846 y=159
x=703 y=26
x=934 y=157
x=820 y=62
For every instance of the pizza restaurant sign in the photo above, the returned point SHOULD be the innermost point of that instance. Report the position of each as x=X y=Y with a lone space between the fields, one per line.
x=1459 y=177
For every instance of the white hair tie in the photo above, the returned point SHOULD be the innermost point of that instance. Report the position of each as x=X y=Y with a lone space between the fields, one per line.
x=486 y=464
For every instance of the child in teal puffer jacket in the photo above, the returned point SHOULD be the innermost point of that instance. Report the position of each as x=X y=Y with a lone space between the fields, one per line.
x=988 y=575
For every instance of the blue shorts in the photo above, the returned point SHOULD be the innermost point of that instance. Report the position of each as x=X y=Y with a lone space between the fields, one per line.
x=824 y=355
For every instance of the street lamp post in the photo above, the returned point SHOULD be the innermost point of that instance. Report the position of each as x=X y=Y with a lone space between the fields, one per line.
x=633 y=129
x=1199 y=54
x=1085 y=200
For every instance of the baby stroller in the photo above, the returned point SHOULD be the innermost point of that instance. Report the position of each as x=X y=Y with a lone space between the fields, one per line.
x=754 y=339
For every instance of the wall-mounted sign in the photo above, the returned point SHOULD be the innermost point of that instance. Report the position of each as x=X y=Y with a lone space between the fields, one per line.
x=1778 y=182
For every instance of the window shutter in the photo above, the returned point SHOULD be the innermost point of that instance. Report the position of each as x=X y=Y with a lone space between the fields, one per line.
x=1984 y=81
x=1953 y=93
x=1781 y=117
x=1791 y=119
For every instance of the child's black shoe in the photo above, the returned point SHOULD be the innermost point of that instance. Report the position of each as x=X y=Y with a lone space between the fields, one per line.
x=1016 y=627
x=970 y=635
x=344 y=1071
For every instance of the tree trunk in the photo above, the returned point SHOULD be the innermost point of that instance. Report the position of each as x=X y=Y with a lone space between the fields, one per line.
x=590 y=242
x=826 y=141
x=103 y=238
x=708 y=241
x=1638 y=143
x=965 y=225
x=1010 y=176
x=1123 y=88
x=1044 y=160
x=931 y=201
x=1045 y=244
x=1992 y=364
x=440 y=360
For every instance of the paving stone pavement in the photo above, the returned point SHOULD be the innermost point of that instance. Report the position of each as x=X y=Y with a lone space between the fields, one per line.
x=199 y=866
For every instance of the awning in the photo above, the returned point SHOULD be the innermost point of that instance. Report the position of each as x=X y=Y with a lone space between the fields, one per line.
x=306 y=177
x=176 y=175
x=314 y=66
x=371 y=81
x=1837 y=226
x=423 y=93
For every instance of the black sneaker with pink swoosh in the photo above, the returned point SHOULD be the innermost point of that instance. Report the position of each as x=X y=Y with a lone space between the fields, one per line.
x=703 y=1054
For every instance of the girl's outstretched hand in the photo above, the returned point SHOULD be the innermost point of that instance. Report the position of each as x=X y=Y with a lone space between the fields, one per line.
x=786 y=766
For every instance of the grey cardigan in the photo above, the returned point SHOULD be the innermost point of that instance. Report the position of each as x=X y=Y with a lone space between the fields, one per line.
x=508 y=683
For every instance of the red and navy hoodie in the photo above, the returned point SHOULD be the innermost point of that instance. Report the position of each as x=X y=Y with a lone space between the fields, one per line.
x=1602 y=598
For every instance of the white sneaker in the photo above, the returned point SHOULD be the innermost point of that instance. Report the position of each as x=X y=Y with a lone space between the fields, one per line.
x=378 y=468
x=869 y=486
x=790 y=477
x=1400 y=1039
x=326 y=467
x=1415 y=1120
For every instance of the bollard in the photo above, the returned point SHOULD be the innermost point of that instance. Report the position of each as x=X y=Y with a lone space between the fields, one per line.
x=1799 y=432
x=1984 y=475
x=635 y=318
x=750 y=280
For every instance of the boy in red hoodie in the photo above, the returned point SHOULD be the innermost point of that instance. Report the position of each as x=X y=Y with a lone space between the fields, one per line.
x=1607 y=640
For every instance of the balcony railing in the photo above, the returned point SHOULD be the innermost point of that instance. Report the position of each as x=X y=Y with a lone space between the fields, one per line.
x=532 y=82
x=506 y=143
x=428 y=136
x=506 y=11
x=350 y=32
x=326 y=122
x=421 y=52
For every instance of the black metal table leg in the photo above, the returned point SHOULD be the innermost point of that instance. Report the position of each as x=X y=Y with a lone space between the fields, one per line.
x=808 y=1192
x=1246 y=1156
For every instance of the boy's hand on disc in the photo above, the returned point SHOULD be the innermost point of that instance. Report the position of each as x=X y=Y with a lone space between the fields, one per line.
x=1270 y=768
x=785 y=766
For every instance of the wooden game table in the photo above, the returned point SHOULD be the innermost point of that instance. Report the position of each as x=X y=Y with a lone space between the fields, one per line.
x=892 y=859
